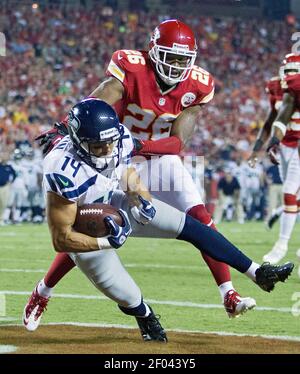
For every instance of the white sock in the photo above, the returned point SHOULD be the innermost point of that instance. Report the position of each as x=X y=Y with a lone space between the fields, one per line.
x=278 y=210
x=251 y=271
x=224 y=288
x=43 y=290
x=282 y=241
x=287 y=222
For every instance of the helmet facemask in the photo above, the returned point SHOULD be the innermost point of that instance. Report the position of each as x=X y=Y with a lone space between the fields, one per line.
x=291 y=68
x=84 y=146
x=169 y=73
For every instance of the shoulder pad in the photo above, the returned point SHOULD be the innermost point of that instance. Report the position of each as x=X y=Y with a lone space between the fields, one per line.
x=204 y=83
x=124 y=61
x=273 y=87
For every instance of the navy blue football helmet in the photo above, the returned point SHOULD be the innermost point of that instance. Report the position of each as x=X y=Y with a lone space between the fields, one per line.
x=93 y=121
x=18 y=154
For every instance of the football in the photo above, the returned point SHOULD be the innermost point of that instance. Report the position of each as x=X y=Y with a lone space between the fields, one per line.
x=90 y=219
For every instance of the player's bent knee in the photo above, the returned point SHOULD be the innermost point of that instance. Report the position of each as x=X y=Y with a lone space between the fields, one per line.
x=290 y=203
x=290 y=188
x=200 y=213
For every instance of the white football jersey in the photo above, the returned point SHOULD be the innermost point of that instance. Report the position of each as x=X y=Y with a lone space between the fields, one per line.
x=21 y=179
x=33 y=169
x=249 y=177
x=67 y=175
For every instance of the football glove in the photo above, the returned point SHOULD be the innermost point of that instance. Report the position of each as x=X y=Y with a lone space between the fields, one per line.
x=144 y=213
x=137 y=146
x=48 y=139
x=273 y=150
x=118 y=234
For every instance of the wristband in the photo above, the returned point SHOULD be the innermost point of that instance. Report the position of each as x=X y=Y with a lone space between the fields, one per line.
x=103 y=243
x=281 y=126
x=257 y=146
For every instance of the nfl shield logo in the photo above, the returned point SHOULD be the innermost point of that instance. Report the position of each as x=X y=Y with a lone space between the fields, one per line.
x=161 y=101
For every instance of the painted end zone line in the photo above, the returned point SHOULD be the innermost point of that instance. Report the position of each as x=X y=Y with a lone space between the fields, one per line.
x=162 y=302
x=117 y=326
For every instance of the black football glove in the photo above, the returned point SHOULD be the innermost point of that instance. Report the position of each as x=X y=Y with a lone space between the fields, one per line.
x=48 y=139
x=273 y=150
x=137 y=144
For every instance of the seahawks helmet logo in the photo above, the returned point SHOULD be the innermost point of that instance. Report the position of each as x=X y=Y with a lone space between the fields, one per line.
x=73 y=121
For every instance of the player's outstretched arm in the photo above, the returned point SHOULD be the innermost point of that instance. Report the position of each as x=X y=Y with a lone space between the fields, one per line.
x=262 y=137
x=111 y=90
x=181 y=132
x=139 y=197
x=184 y=125
x=134 y=187
x=279 y=125
x=284 y=115
x=61 y=215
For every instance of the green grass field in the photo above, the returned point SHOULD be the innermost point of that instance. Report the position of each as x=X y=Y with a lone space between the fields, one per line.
x=171 y=274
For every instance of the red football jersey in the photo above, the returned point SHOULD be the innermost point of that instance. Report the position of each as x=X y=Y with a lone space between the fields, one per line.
x=144 y=109
x=274 y=88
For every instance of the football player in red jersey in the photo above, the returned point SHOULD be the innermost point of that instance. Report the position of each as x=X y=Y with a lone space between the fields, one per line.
x=284 y=125
x=158 y=95
x=274 y=90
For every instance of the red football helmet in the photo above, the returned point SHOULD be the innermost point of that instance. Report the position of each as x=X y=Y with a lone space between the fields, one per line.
x=173 y=50
x=290 y=65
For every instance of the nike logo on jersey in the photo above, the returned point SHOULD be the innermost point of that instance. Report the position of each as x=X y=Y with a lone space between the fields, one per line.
x=119 y=57
x=64 y=183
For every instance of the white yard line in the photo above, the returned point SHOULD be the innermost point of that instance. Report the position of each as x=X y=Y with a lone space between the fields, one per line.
x=9 y=233
x=8 y=319
x=119 y=326
x=3 y=270
x=134 y=265
x=162 y=302
x=8 y=348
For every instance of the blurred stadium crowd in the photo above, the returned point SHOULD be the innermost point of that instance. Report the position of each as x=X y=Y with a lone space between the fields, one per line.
x=56 y=57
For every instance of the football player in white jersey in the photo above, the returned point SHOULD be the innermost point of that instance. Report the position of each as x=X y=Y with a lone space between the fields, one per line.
x=34 y=173
x=158 y=95
x=86 y=167
x=18 y=199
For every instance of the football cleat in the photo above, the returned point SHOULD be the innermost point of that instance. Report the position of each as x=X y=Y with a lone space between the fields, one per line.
x=277 y=253
x=235 y=305
x=151 y=329
x=272 y=220
x=34 y=310
x=268 y=275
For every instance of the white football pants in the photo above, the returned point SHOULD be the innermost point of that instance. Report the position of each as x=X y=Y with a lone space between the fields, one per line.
x=104 y=268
